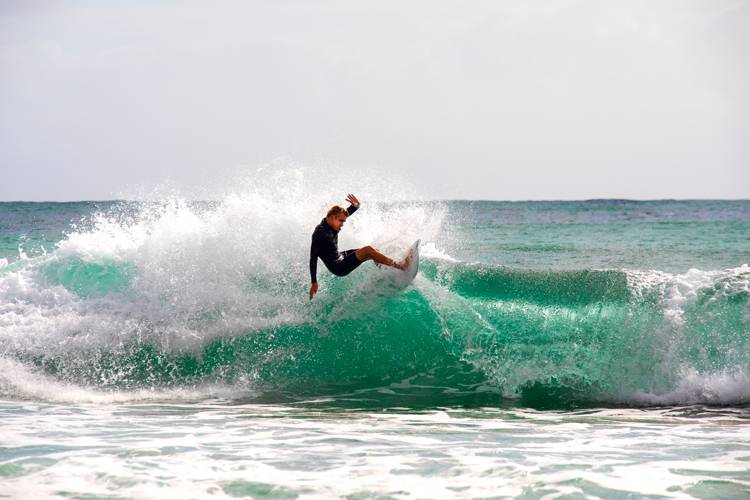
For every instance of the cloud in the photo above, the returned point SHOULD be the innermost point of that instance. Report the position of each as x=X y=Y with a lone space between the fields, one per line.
x=507 y=100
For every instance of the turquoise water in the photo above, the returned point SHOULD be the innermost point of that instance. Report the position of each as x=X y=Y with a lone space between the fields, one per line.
x=545 y=348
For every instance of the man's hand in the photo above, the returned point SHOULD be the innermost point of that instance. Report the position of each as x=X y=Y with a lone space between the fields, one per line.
x=313 y=290
x=352 y=199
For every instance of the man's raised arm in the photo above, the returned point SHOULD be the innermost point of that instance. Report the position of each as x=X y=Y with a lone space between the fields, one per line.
x=354 y=203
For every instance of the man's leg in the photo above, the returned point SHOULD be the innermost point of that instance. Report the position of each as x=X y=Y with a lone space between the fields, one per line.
x=370 y=253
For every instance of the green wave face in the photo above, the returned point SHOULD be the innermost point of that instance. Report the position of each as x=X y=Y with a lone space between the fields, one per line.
x=173 y=295
x=462 y=334
x=87 y=279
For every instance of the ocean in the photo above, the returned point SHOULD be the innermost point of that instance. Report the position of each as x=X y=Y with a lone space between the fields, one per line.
x=555 y=349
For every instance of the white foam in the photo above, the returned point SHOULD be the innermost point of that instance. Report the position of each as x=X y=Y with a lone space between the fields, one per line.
x=431 y=251
x=18 y=381
x=678 y=292
x=198 y=271
x=680 y=288
x=727 y=387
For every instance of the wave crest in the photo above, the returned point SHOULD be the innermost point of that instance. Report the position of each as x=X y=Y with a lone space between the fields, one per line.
x=177 y=295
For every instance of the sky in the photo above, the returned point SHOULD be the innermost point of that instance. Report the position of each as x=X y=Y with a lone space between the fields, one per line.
x=504 y=100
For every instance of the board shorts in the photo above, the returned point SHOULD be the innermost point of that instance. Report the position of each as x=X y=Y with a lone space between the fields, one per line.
x=346 y=263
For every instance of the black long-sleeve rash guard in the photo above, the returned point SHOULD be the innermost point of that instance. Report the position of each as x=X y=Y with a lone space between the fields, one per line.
x=325 y=244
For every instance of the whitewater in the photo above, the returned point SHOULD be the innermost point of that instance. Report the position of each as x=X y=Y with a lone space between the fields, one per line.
x=167 y=348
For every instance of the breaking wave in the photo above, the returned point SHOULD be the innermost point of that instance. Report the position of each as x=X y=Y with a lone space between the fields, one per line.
x=186 y=300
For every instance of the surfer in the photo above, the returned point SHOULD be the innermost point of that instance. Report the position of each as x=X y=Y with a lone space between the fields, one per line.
x=325 y=244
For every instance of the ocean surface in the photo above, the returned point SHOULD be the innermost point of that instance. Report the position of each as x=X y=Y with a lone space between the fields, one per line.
x=168 y=349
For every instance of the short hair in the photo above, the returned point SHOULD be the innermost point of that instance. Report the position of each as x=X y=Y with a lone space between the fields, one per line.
x=335 y=210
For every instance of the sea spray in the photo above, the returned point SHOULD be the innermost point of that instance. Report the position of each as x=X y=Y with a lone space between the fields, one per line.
x=183 y=298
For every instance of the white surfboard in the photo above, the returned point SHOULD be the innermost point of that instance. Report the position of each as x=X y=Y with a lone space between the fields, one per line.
x=403 y=278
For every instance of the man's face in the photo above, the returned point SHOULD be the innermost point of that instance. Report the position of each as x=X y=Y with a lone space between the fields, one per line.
x=336 y=221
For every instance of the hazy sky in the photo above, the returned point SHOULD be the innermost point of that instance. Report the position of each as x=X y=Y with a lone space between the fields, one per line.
x=492 y=100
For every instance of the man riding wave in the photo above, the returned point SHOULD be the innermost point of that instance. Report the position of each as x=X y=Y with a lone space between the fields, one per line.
x=325 y=244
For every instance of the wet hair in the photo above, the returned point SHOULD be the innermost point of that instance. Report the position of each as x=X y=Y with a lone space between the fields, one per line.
x=335 y=210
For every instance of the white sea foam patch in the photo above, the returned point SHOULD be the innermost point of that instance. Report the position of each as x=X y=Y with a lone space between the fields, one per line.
x=687 y=301
x=18 y=381
x=724 y=388
x=39 y=318
x=677 y=289
x=676 y=293
x=196 y=271
x=431 y=251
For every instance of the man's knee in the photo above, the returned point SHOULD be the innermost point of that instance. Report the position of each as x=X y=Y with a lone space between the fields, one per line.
x=365 y=252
